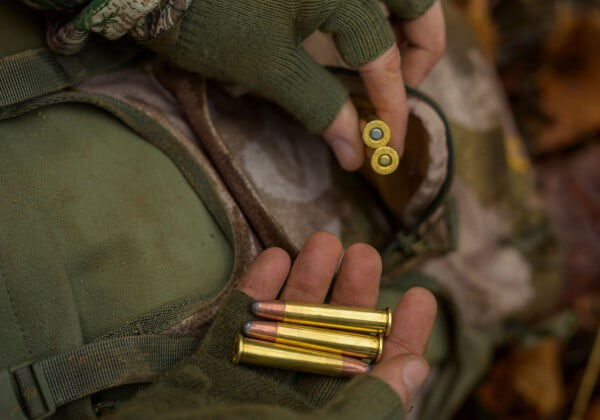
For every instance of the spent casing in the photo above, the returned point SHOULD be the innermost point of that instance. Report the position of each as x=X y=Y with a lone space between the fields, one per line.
x=364 y=346
x=347 y=318
x=282 y=356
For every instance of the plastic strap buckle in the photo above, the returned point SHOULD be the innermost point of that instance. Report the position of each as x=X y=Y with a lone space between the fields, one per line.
x=26 y=393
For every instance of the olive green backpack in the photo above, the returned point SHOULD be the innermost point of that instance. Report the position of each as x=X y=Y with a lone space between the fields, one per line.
x=109 y=235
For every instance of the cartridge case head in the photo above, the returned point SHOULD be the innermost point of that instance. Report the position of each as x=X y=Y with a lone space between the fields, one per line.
x=385 y=160
x=376 y=134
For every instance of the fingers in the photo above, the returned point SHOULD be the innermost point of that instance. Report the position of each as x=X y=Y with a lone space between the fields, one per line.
x=343 y=136
x=404 y=374
x=313 y=269
x=385 y=87
x=413 y=321
x=425 y=42
x=357 y=282
x=365 y=40
x=266 y=275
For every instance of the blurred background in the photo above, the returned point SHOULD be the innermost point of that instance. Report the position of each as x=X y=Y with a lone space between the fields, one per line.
x=547 y=53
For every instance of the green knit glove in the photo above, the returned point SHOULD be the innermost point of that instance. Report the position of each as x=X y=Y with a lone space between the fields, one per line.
x=408 y=9
x=256 y=43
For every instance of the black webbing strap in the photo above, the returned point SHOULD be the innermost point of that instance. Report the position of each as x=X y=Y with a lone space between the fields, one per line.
x=41 y=387
x=34 y=73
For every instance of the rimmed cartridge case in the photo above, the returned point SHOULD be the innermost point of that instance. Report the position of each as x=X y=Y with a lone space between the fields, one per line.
x=347 y=318
x=363 y=346
x=265 y=353
x=376 y=134
x=385 y=160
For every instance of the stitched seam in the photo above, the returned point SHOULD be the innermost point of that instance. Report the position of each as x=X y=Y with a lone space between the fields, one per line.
x=14 y=311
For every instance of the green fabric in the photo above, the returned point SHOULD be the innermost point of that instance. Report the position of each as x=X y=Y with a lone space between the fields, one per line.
x=27 y=70
x=208 y=385
x=98 y=366
x=128 y=234
x=257 y=44
x=409 y=9
x=38 y=72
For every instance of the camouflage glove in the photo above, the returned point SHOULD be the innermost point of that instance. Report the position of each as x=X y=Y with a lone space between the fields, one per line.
x=256 y=43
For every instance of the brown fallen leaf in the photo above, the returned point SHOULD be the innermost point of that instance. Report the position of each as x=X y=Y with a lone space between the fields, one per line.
x=479 y=16
x=593 y=412
x=569 y=80
x=527 y=383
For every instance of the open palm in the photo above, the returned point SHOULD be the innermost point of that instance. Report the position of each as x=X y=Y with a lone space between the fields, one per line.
x=310 y=278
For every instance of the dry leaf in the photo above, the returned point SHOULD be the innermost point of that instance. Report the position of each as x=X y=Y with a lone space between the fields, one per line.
x=569 y=82
x=528 y=382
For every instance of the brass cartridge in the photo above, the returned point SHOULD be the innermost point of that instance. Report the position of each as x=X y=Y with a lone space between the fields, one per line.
x=329 y=316
x=385 y=160
x=376 y=134
x=264 y=353
x=363 y=346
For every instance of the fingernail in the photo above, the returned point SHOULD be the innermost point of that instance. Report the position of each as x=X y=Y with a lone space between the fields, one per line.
x=414 y=373
x=344 y=152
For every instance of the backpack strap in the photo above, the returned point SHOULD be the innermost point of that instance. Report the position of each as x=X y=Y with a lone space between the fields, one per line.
x=35 y=390
x=34 y=73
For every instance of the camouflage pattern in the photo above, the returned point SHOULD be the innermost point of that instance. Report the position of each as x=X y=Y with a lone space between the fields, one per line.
x=143 y=20
x=507 y=262
x=288 y=186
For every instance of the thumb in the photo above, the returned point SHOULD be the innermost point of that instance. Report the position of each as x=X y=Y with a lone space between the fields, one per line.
x=404 y=374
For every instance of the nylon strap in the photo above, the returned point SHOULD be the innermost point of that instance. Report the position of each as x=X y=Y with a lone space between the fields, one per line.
x=35 y=73
x=88 y=369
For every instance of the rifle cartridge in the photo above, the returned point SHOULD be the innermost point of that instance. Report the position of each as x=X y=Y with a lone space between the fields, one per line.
x=347 y=318
x=282 y=356
x=363 y=346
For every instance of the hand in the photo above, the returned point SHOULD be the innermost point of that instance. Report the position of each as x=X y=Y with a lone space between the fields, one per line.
x=402 y=366
x=256 y=43
x=422 y=43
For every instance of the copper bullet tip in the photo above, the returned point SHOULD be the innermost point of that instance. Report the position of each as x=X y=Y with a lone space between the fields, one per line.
x=269 y=309
x=353 y=367
x=261 y=329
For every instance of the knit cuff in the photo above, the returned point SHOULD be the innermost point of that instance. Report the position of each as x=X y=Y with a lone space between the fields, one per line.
x=409 y=9
x=227 y=325
x=366 y=396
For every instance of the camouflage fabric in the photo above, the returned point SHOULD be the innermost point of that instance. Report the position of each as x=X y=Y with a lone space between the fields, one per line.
x=143 y=20
x=507 y=262
x=284 y=178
